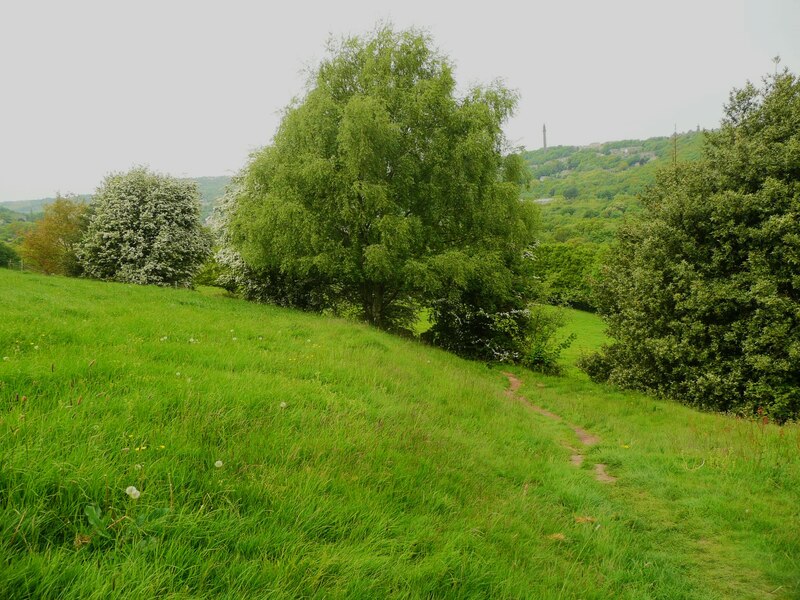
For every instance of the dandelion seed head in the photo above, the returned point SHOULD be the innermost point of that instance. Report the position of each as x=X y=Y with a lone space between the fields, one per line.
x=284 y=405
x=133 y=492
x=218 y=464
x=138 y=467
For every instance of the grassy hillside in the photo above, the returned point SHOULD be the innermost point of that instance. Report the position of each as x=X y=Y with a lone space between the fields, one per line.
x=211 y=188
x=355 y=464
x=9 y=216
x=622 y=168
x=591 y=189
x=585 y=194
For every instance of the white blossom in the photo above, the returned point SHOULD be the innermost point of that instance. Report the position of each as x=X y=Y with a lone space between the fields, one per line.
x=144 y=228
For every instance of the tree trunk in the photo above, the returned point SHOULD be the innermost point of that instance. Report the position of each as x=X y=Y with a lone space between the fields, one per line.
x=373 y=305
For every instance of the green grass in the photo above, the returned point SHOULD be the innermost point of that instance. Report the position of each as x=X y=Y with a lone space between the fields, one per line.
x=394 y=469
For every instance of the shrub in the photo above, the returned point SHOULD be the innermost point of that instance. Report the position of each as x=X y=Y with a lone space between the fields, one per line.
x=7 y=255
x=144 y=228
x=702 y=294
x=50 y=245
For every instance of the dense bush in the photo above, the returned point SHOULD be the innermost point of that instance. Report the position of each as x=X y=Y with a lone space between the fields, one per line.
x=50 y=245
x=144 y=228
x=7 y=255
x=702 y=294
x=567 y=272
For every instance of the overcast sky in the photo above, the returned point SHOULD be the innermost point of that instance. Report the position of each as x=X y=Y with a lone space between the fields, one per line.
x=191 y=88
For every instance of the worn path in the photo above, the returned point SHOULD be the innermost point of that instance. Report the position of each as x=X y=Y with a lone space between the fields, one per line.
x=585 y=438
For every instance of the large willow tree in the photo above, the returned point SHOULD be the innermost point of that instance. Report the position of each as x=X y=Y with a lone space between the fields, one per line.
x=384 y=190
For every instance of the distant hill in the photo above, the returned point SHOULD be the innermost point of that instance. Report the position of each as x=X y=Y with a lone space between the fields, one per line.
x=9 y=216
x=605 y=170
x=211 y=188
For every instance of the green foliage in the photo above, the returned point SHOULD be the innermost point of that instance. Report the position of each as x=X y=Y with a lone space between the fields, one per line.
x=383 y=192
x=9 y=216
x=622 y=168
x=13 y=226
x=703 y=293
x=544 y=348
x=7 y=255
x=586 y=221
x=50 y=245
x=144 y=228
x=567 y=272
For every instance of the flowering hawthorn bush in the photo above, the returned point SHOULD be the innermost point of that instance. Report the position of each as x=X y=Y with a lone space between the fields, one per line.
x=144 y=228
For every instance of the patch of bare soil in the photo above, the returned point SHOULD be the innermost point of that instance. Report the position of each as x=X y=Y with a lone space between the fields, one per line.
x=514 y=383
x=511 y=392
x=601 y=475
x=586 y=438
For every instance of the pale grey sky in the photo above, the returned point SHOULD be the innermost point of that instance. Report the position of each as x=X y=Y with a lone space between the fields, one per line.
x=191 y=87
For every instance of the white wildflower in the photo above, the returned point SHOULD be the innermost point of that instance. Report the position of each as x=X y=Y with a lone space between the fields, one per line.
x=133 y=492
x=218 y=464
x=284 y=405
x=138 y=467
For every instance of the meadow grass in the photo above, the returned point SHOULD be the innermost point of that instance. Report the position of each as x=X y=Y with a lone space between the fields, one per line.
x=354 y=464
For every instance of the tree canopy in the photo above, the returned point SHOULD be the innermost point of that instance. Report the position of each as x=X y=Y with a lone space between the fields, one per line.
x=383 y=191
x=7 y=255
x=702 y=294
x=50 y=244
x=144 y=228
